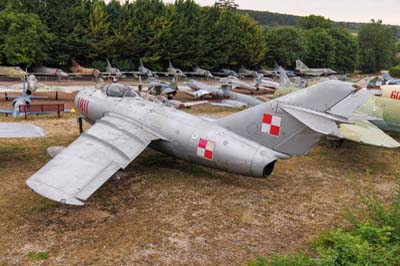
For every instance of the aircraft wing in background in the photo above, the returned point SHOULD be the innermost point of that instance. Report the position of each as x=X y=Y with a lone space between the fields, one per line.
x=20 y=130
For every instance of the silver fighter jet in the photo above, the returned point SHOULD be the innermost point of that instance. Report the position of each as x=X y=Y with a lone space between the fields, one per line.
x=112 y=70
x=247 y=143
x=41 y=70
x=304 y=70
x=224 y=92
x=197 y=71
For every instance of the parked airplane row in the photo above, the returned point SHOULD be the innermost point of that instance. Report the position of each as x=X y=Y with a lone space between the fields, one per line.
x=78 y=70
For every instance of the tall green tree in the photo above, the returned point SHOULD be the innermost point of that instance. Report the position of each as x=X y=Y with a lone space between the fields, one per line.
x=285 y=45
x=24 y=39
x=320 y=48
x=377 y=47
x=346 y=50
x=313 y=21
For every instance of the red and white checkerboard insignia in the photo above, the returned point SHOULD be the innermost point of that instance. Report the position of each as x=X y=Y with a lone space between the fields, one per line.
x=271 y=125
x=205 y=149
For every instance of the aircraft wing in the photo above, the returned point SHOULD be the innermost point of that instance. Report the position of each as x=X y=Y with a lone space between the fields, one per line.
x=19 y=130
x=230 y=104
x=79 y=170
x=366 y=133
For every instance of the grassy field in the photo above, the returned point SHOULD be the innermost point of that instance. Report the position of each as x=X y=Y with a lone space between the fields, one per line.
x=165 y=211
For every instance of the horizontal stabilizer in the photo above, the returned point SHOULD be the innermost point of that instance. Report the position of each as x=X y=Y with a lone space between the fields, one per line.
x=318 y=122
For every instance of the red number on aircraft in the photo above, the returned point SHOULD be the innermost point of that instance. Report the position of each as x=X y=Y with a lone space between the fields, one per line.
x=83 y=106
x=395 y=95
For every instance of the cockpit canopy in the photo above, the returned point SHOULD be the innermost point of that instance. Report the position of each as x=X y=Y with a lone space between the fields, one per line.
x=118 y=90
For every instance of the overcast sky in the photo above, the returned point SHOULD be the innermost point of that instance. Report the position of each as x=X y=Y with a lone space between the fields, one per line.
x=338 y=10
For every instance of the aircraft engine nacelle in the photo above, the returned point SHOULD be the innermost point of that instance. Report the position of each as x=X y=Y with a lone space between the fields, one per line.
x=262 y=165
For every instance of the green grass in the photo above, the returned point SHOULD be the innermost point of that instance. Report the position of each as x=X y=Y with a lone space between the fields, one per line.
x=38 y=255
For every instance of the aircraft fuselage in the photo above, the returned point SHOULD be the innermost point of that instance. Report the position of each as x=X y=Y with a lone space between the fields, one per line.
x=183 y=135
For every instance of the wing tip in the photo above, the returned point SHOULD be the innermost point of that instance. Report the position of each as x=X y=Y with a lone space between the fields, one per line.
x=52 y=193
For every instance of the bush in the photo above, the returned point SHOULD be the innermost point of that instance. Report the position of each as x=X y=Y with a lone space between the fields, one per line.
x=395 y=72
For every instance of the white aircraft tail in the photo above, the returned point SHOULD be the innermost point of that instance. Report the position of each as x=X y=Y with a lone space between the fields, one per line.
x=294 y=123
x=301 y=66
x=284 y=81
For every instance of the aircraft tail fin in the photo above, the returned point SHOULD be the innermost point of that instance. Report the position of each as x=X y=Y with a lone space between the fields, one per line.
x=301 y=66
x=284 y=81
x=108 y=63
x=294 y=123
x=74 y=63
x=141 y=62
x=170 y=64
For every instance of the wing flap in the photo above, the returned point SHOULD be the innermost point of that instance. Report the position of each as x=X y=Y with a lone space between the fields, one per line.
x=79 y=170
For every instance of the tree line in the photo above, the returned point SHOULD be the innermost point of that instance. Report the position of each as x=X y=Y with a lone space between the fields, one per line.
x=51 y=32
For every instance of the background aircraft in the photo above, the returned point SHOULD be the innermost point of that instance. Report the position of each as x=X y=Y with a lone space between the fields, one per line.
x=389 y=80
x=110 y=70
x=303 y=70
x=79 y=70
x=197 y=71
x=41 y=70
x=245 y=73
x=226 y=73
x=14 y=72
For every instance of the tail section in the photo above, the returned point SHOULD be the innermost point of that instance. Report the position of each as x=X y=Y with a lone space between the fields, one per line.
x=170 y=64
x=284 y=81
x=141 y=62
x=294 y=123
x=74 y=63
x=301 y=66
x=108 y=63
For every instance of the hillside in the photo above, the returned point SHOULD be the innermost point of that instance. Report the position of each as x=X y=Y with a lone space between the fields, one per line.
x=267 y=18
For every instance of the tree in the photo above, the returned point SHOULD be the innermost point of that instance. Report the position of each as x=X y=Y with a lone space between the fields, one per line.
x=320 y=48
x=377 y=47
x=227 y=4
x=285 y=45
x=346 y=50
x=312 y=22
x=24 y=39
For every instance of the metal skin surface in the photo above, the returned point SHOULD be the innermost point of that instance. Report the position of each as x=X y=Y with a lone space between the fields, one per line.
x=247 y=143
